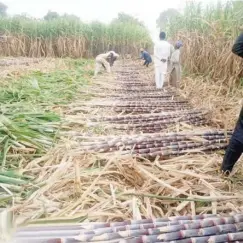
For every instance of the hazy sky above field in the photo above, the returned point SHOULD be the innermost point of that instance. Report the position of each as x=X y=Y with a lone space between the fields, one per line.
x=102 y=10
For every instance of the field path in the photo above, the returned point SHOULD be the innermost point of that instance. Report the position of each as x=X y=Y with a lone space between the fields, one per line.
x=156 y=122
x=133 y=152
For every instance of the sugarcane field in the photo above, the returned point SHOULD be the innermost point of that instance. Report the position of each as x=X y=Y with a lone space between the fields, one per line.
x=117 y=132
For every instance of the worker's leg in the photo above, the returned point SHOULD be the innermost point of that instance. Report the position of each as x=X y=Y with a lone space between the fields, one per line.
x=103 y=65
x=178 y=74
x=107 y=65
x=98 y=66
x=232 y=154
x=163 y=74
x=112 y=60
x=157 y=76
x=173 y=78
x=161 y=80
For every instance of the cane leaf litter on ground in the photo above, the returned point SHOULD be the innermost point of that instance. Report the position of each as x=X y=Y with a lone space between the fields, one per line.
x=30 y=117
x=74 y=185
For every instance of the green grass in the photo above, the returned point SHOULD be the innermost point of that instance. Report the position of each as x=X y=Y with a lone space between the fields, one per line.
x=28 y=125
x=45 y=89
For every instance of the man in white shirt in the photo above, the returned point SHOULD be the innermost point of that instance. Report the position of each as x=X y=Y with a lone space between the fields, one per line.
x=105 y=60
x=175 y=73
x=162 y=53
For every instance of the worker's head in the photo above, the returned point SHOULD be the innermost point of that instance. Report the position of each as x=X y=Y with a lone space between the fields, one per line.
x=162 y=35
x=178 y=44
x=111 y=54
x=141 y=50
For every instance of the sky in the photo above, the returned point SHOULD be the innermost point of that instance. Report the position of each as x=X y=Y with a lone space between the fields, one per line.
x=102 y=10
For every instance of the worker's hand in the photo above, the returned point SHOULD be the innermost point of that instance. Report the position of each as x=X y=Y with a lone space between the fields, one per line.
x=241 y=102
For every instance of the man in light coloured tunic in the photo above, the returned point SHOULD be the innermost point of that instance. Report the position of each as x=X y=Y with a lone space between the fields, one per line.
x=162 y=54
x=175 y=73
x=105 y=60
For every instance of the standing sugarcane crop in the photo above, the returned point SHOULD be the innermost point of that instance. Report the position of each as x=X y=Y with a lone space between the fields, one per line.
x=235 y=147
x=162 y=53
x=175 y=73
x=105 y=60
x=145 y=56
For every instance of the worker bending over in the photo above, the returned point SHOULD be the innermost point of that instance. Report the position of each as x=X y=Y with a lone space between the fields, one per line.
x=145 y=56
x=235 y=147
x=175 y=73
x=106 y=61
x=162 y=54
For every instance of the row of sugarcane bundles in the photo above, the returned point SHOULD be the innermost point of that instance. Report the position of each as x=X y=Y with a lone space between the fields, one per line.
x=180 y=229
x=144 y=106
x=155 y=122
x=158 y=144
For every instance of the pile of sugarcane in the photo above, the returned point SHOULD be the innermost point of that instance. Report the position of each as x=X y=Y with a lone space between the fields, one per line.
x=137 y=103
x=158 y=144
x=144 y=107
x=147 y=95
x=151 y=122
x=137 y=119
x=181 y=229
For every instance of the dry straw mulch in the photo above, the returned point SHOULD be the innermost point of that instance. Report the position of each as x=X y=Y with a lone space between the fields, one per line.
x=72 y=184
x=15 y=67
x=116 y=188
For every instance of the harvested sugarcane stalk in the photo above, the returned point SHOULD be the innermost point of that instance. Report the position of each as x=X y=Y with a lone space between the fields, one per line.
x=141 y=104
x=202 y=228
x=176 y=144
x=147 y=117
x=144 y=125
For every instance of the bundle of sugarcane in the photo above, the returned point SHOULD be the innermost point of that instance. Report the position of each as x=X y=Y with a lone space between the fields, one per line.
x=150 y=109
x=159 y=122
x=134 y=89
x=144 y=123
x=128 y=90
x=148 y=95
x=143 y=98
x=161 y=149
x=131 y=83
x=128 y=74
x=129 y=96
x=142 y=95
x=127 y=85
x=159 y=143
x=173 y=136
x=132 y=80
x=135 y=103
x=146 y=99
x=198 y=229
x=125 y=119
x=157 y=126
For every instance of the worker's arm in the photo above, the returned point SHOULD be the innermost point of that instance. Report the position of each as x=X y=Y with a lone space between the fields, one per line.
x=175 y=57
x=238 y=46
x=172 y=49
x=142 y=56
x=116 y=55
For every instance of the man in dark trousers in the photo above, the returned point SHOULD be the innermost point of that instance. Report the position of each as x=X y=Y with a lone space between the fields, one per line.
x=145 y=56
x=235 y=147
